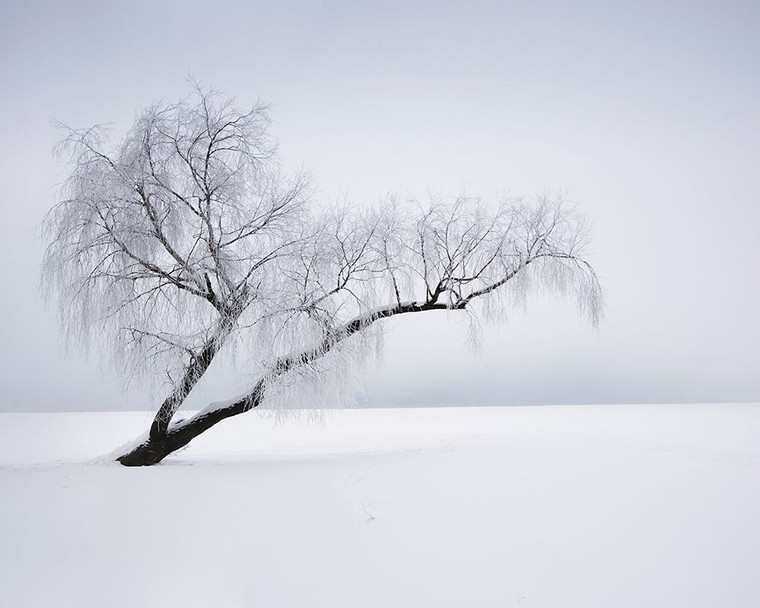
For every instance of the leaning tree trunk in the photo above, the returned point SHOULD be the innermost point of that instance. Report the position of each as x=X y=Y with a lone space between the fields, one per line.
x=165 y=438
x=198 y=366
x=158 y=447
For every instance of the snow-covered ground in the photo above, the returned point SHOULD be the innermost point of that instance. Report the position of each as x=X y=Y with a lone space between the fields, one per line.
x=586 y=506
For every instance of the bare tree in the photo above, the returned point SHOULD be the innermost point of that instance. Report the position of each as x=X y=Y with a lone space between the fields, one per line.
x=187 y=238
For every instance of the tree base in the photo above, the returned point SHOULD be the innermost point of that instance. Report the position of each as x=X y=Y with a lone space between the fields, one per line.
x=160 y=444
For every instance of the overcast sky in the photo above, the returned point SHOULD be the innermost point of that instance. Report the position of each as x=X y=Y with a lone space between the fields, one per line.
x=646 y=113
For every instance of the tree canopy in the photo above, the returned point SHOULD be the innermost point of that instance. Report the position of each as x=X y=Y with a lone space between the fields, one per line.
x=187 y=237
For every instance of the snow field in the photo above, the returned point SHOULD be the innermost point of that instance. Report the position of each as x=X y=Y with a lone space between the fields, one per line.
x=649 y=505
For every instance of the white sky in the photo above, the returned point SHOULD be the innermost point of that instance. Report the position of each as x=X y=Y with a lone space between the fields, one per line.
x=646 y=113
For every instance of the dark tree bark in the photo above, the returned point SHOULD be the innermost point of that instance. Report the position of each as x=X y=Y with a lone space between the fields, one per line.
x=199 y=364
x=159 y=446
x=165 y=438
